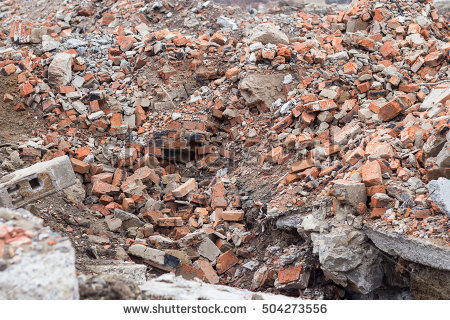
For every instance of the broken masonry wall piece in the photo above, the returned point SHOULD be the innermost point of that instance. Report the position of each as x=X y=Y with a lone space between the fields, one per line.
x=40 y=180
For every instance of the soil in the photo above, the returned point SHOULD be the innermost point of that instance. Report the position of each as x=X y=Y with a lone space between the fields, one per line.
x=16 y=126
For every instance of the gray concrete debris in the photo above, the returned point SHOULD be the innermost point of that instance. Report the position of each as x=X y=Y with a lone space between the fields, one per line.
x=147 y=253
x=436 y=96
x=439 y=191
x=227 y=23
x=37 y=270
x=125 y=270
x=346 y=257
x=351 y=192
x=40 y=180
x=76 y=193
x=268 y=33
x=289 y=221
x=443 y=158
x=129 y=220
x=169 y=286
x=311 y=223
x=208 y=249
x=49 y=44
x=257 y=88
x=411 y=249
x=60 y=70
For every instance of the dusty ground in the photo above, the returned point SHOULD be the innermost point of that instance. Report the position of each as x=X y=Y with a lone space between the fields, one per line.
x=15 y=125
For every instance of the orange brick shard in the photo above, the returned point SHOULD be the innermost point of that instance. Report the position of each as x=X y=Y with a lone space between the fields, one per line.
x=225 y=261
x=99 y=188
x=389 y=110
x=371 y=173
x=209 y=272
x=286 y=275
x=233 y=215
x=80 y=166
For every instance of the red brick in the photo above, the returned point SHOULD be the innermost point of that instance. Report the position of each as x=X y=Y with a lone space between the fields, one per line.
x=375 y=189
x=389 y=110
x=350 y=68
x=120 y=176
x=225 y=261
x=9 y=69
x=283 y=123
x=65 y=89
x=218 y=38
x=145 y=174
x=80 y=166
x=180 y=41
x=301 y=165
x=219 y=202
x=367 y=44
x=377 y=213
x=268 y=54
x=232 y=72
x=387 y=50
x=290 y=274
x=433 y=59
x=100 y=187
x=170 y=222
x=128 y=204
x=82 y=153
x=153 y=216
x=353 y=156
x=371 y=173
x=233 y=215
x=209 y=272
x=125 y=43
x=408 y=87
x=25 y=89
x=105 y=177
x=364 y=87
x=189 y=272
x=185 y=188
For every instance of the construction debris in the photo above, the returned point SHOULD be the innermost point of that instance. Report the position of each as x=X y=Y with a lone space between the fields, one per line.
x=35 y=263
x=296 y=149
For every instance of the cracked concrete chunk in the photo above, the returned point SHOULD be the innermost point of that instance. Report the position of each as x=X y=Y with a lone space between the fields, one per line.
x=268 y=33
x=261 y=88
x=128 y=271
x=350 y=192
x=413 y=249
x=147 y=253
x=129 y=220
x=40 y=180
x=439 y=191
x=208 y=249
x=38 y=269
x=348 y=259
x=60 y=70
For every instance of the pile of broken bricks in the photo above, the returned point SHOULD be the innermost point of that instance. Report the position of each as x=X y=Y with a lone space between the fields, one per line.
x=163 y=123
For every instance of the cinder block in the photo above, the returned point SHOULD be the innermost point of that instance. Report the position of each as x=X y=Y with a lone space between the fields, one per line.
x=40 y=180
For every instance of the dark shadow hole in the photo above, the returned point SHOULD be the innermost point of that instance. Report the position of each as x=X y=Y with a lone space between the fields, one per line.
x=35 y=183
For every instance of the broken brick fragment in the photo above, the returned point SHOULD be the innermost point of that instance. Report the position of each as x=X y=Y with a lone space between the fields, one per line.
x=389 y=110
x=371 y=173
x=225 y=261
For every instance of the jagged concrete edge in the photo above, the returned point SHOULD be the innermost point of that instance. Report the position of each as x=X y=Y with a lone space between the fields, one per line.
x=412 y=249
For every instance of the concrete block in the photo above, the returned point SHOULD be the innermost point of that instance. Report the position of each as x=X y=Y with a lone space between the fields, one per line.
x=125 y=270
x=417 y=250
x=351 y=192
x=42 y=267
x=169 y=286
x=40 y=180
x=147 y=253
